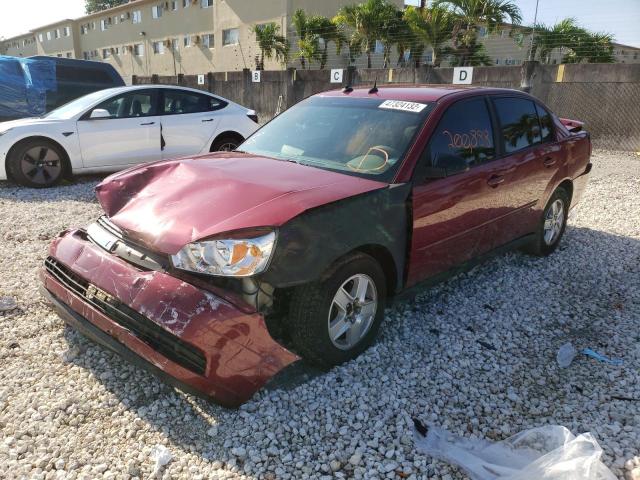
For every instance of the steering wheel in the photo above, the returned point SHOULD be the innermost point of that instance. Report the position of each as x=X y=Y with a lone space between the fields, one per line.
x=381 y=151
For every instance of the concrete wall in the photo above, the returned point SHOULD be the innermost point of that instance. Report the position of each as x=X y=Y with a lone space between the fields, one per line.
x=604 y=96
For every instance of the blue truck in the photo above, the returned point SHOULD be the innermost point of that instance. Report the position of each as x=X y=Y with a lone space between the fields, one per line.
x=33 y=86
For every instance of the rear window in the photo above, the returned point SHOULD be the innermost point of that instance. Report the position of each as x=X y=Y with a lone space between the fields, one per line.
x=519 y=123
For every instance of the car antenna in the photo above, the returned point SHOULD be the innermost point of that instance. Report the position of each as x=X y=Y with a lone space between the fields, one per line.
x=375 y=87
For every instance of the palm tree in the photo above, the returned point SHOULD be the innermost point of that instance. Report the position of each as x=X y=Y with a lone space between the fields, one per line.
x=433 y=26
x=367 y=22
x=581 y=45
x=308 y=44
x=324 y=28
x=271 y=43
x=472 y=14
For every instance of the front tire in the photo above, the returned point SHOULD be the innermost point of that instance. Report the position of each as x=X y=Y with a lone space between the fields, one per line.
x=336 y=318
x=552 y=224
x=36 y=163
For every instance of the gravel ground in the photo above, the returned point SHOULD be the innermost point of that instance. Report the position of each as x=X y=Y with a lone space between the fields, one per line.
x=475 y=355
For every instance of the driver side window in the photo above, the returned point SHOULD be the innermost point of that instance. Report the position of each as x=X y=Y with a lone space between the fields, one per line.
x=463 y=138
x=130 y=105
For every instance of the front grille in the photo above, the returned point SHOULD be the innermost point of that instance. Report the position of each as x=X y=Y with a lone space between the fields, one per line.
x=146 y=330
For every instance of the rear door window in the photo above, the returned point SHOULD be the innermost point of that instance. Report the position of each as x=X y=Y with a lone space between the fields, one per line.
x=546 y=124
x=518 y=122
x=463 y=138
x=178 y=102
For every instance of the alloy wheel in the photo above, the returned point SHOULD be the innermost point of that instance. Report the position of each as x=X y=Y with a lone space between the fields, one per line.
x=553 y=222
x=352 y=311
x=41 y=165
x=227 y=147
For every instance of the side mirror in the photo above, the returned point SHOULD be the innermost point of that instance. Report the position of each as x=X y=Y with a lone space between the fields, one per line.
x=99 y=113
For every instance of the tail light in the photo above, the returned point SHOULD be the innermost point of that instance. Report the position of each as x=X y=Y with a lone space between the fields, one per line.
x=253 y=117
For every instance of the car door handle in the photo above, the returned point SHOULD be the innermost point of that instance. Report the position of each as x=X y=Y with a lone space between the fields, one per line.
x=549 y=162
x=208 y=120
x=149 y=123
x=495 y=180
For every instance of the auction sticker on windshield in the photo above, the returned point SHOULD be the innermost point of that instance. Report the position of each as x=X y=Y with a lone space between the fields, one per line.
x=404 y=106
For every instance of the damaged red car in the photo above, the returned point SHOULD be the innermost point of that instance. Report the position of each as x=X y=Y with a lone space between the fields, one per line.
x=216 y=272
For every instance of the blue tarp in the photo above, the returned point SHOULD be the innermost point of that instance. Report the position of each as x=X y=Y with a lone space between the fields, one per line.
x=24 y=84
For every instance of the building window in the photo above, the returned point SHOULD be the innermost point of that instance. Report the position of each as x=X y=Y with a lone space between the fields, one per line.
x=230 y=36
x=379 y=48
x=158 y=48
x=186 y=41
x=106 y=53
x=40 y=38
x=482 y=32
x=206 y=3
x=208 y=40
x=137 y=16
x=85 y=55
x=56 y=33
x=66 y=31
x=68 y=54
x=138 y=50
x=48 y=35
x=156 y=11
x=186 y=3
x=174 y=5
x=93 y=25
x=103 y=24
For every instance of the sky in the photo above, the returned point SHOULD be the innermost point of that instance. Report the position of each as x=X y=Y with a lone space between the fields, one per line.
x=619 y=17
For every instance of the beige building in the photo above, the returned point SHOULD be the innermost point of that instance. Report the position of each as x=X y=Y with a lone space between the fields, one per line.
x=145 y=37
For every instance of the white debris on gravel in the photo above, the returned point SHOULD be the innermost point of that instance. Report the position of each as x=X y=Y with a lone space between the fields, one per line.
x=475 y=356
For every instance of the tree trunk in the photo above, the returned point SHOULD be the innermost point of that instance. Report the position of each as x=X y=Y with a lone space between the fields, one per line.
x=303 y=63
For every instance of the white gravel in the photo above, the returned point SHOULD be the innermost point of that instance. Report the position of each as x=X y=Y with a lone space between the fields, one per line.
x=70 y=409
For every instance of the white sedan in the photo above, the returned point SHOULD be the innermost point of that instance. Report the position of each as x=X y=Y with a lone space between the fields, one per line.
x=117 y=128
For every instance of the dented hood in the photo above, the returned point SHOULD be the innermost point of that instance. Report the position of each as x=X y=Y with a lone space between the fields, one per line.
x=166 y=205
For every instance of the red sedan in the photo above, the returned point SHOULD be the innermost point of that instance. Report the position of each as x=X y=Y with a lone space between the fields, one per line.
x=218 y=271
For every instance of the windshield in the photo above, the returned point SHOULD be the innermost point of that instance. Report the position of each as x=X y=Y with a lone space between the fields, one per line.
x=75 y=107
x=360 y=136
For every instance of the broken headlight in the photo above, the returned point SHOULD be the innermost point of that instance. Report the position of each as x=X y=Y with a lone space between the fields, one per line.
x=240 y=257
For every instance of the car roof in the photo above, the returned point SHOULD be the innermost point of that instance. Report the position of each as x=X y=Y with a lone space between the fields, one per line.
x=130 y=88
x=416 y=93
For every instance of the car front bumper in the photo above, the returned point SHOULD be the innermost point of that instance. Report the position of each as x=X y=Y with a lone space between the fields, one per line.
x=188 y=336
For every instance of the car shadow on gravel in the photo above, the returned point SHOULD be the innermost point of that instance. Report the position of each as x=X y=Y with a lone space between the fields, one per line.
x=165 y=409
x=81 y=189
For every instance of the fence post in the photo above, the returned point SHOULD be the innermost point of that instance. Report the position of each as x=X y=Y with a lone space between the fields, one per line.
x=289 y=88
x=134 y=79
x=247 y=92
x=351 y=76
x=528 y=72
x=154 y=78
x=210 y=81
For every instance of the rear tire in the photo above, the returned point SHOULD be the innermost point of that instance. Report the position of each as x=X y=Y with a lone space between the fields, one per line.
x=336 y=318
x=37 y=163
x=227 y=142
x=552 y=225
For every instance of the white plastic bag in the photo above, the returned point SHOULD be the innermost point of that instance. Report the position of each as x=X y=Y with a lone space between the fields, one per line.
x=566 y=354
x=546 y=453
x=161 y=455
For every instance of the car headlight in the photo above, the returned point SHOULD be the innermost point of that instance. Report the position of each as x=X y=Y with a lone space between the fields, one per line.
x=227 y=258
